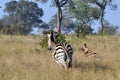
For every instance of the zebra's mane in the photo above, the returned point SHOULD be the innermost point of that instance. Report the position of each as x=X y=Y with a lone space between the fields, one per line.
x=52 y=38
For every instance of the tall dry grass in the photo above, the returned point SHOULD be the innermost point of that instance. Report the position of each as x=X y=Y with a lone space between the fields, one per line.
x=22 y=58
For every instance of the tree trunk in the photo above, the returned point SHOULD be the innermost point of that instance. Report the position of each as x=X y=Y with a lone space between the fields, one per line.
x=102 y=6
x=101 y=24
x=59 y=19
x=101 y=20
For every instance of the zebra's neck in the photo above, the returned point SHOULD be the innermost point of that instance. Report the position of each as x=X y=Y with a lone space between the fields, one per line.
x=53 y=45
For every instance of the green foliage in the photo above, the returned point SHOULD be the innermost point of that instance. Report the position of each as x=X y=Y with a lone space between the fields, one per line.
x=43 y=1
x=84 y=12
x=23 y=15
x=1 y=25
x=60 y=38
x=82 y=31
x=102 y=5
x=108 y=29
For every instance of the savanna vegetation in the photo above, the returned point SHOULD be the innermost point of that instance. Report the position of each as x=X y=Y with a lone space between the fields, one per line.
x=23 y=58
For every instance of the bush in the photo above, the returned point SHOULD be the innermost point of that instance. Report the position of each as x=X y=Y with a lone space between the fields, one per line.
x=60 y=38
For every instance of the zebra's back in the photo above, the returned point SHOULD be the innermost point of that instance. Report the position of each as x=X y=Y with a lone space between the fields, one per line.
x=60 y=55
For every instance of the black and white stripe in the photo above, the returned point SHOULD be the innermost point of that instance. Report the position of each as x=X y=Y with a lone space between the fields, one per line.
x=69 y=49
x=60 y=55
x=62 y=52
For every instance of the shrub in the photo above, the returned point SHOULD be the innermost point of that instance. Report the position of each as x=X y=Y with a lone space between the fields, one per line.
x=60 y=38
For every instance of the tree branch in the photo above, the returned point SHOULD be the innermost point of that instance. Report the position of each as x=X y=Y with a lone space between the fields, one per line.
x=100 y=5
x=63 y=2
x=57 y=3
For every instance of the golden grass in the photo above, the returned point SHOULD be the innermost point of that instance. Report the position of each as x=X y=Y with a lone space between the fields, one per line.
x=22 y=58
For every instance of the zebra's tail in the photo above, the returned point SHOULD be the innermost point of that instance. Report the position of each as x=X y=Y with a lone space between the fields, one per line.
x=68 y=59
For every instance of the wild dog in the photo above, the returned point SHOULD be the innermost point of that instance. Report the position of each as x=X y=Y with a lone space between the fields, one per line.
x=89 y=53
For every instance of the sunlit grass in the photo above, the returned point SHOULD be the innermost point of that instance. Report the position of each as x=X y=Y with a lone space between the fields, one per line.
x=22 y=58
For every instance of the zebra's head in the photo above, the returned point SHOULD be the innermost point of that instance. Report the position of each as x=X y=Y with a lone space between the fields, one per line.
x=51 y=40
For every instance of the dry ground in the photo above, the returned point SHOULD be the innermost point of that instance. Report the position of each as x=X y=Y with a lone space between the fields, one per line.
x=22 y=58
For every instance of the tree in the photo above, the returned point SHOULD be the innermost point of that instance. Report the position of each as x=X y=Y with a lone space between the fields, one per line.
x=84 y=14
x=102 y=4
x=67 y=26
x=43 y=27
x=108 y=29
x=59 y=4
x=82 y=31
x=1 y=25
x=22 y=15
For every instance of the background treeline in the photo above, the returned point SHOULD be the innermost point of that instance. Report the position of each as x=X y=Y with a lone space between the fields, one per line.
x=78 y=17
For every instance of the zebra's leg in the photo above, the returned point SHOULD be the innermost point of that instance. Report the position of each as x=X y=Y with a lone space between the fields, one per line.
x=70 y=63
x=62 y=64
x=65 y=65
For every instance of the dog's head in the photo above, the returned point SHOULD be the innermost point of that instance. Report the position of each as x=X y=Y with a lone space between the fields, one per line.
x=85 y=48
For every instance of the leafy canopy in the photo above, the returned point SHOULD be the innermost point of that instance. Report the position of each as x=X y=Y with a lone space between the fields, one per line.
x=23 y=15
x=84 y=12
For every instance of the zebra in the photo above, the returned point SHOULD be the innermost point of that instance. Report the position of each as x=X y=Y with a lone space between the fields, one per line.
x=62 y=52
x=69 y=49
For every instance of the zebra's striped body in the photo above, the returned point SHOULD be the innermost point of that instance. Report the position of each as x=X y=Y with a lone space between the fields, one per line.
x=60 y=55
x=69 y=50
x=62 y=52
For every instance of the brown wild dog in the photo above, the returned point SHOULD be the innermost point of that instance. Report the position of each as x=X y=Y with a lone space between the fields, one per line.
x=89 y=53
